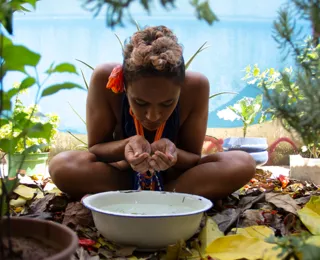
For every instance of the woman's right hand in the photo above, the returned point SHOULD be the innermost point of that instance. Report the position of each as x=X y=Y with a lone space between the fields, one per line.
x=137 y=153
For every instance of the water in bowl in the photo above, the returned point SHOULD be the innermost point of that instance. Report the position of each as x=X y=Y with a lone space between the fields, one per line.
x=147 y=209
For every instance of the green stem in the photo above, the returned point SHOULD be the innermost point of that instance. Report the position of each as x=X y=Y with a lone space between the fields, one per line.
x=244 y=129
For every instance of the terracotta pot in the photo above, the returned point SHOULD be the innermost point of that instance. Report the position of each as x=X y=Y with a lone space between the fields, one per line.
x=61 y=237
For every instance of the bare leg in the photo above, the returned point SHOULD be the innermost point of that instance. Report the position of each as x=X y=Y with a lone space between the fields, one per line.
x=79 y=173
x=216 y=176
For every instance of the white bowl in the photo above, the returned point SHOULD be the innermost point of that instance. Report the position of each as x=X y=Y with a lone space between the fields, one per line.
x=147 y=220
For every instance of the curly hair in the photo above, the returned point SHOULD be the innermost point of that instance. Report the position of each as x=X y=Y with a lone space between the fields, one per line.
x=154 y=51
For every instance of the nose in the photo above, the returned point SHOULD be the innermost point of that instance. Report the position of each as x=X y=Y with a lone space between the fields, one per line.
x=153 y=114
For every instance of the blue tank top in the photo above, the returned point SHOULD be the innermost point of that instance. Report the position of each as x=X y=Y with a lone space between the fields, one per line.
x=170 y=132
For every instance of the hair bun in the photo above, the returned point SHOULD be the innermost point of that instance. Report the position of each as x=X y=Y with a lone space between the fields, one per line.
x=155 y=47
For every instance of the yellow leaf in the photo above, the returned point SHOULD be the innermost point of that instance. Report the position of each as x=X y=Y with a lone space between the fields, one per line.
x=25 y=192
x=174 y=251
x=314 y=240
x=209 y=233
x=132 y=258
x=55 y=191
x=18 y=209
x=260 y=232
x=239 y=246
x=97 y=245
x=19 y=202
x=39 y=194
x=310 y=215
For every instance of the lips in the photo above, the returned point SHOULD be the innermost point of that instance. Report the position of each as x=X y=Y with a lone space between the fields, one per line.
x=151 y=126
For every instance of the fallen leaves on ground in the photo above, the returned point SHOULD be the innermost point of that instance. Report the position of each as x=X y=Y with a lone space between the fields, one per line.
x=235 y=228
x=283 y=201
x=76 y=214
x=310 y=215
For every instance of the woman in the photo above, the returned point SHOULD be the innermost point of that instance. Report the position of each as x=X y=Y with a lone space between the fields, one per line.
x=146 y=123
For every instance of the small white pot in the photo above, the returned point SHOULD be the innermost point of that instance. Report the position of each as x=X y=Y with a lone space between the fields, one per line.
x=147 y=220
x=305 y=169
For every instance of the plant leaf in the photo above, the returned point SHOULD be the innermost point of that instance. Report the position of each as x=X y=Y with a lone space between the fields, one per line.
x=84 y=79
x=6 y=102
x=202 y=47
x=137 y=25
x=241 y=247
x=77 y=114
x=55 y=88
x=16 y=57
x=261 y=232
x=7 y=145
x=39 y=130
x=62 y=68
x=283 y=201
x=310 y=215
x=25 y=192
x=85 y=64
x=35 y=148
x=222 y=93
x=86 y=145
x=25 y=84
x=119 y=41
x=209 y=233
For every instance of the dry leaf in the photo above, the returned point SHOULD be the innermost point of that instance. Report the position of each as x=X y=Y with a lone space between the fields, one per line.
x=105 y=253
x=40 y=194
x=41 y=205
x=209 y=233
x=283 y=201
x=241 y=247
x=303 y=200
x=260 y=232
x=125 y=251
x=19 y=202
x=251 y=217
x=226 y=218
x=310 y=215
x=76 y=214
x=177 y=251
x=50 y=202
x=25 y=192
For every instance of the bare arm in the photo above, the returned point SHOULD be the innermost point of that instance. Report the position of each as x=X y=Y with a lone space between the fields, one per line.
x=100 y=117
x=192 y=132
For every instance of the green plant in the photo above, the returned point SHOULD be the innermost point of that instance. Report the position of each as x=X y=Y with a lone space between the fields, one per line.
x=246 y=110
x=295 y=247
x=296 y=95
x=116 y=10
x=272 y=80
x=303 y=86
x=18 y=58
x=13 y=128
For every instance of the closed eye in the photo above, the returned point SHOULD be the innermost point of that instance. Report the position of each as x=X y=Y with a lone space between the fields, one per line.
x=140 y=102
x=167 y=103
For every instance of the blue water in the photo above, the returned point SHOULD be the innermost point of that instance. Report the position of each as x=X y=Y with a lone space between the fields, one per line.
x=235 y=43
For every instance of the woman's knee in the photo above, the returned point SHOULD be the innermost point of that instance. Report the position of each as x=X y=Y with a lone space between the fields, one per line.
x=66 y=162
x=241 y=161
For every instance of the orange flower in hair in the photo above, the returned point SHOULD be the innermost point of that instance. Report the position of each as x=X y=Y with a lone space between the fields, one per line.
x=115 y=82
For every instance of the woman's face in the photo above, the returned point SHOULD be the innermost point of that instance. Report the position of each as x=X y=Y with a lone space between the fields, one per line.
x=152 y=100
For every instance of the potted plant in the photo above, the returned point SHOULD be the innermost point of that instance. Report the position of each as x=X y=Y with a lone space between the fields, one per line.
x=22 y=237
x=306 y=164
x=246 y=110
x=294 y=94
x=34 y=161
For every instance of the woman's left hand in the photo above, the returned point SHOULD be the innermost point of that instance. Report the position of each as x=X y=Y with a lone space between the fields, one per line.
x=164 y=155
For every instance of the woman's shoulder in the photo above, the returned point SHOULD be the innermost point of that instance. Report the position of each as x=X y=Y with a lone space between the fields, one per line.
x=196 y=83
x=102 y=71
